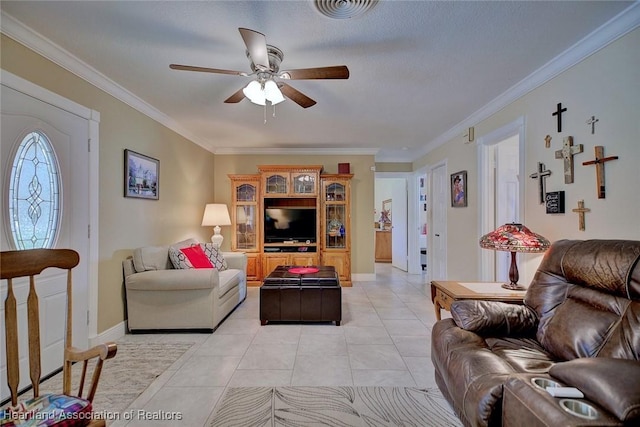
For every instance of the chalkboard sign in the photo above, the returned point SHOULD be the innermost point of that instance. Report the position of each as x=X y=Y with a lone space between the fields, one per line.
x=554 y=202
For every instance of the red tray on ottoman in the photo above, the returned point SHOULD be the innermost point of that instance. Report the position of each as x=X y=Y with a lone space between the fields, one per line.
x=301 y=294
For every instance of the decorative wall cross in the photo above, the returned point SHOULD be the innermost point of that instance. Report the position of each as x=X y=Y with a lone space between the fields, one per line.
x=599 y=162
x=581 y=210
x=559 y=111
x=547 y=141
x=541 y=176
x=592 y=121
x=567 y=152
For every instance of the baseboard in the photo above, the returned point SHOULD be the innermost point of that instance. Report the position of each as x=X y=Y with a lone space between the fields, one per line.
x=112 y=334
x=363 y=277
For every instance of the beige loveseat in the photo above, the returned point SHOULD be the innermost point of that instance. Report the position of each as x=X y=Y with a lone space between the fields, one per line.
x=161 y=297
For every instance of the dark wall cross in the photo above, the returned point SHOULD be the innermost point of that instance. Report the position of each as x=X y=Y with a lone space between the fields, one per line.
x=599 y=162
x=541 y=176
x=558 y=113
x=567 y=152
x=592 y=121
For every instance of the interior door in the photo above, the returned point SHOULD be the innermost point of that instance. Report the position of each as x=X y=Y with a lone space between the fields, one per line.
x=68 y=135
x=438 y=231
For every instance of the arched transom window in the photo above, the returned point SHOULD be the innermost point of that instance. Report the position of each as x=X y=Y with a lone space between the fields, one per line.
x=34 y=193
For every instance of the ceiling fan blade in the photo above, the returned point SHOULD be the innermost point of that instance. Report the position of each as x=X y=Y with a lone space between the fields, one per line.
x=296 y=96
x=205 y=70
x=257 y=46
x=335 y=72
x=236 y=97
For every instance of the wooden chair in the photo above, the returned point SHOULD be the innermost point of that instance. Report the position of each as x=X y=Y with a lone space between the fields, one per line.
x=69 y=409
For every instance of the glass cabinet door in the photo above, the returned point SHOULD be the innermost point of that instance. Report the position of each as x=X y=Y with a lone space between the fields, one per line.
x=245 y=216
x=304 y=183
x=335 y=192
x=335 y=215
x=246 y=227
x=246 y=193
x=276 y=184
x=335 y=230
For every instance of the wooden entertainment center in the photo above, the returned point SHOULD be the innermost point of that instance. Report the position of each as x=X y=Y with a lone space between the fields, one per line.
x=263 y=204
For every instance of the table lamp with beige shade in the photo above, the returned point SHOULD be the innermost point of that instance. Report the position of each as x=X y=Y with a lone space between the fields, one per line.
x=216 y=214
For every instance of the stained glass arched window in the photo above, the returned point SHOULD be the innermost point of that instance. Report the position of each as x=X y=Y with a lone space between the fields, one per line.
x=34 y=193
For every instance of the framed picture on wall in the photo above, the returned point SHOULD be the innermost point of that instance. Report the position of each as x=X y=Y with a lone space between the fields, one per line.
x=459 y=189
x=141 y=176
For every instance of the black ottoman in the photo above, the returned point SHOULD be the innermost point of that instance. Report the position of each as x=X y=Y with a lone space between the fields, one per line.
x=308 y=297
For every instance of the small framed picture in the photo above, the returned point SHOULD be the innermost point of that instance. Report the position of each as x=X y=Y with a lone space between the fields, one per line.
x=141 y=176
x=459 y=189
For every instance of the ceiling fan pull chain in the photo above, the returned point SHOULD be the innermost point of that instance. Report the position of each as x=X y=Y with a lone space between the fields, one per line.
x=274 y=110
x=265 y=113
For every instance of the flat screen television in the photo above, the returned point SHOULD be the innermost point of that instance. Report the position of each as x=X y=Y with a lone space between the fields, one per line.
x=289 y=223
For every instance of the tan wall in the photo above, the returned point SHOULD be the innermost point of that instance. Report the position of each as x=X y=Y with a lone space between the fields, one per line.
x=362 y=194
x=186 y=176
x=604 y=85
x=394 y=167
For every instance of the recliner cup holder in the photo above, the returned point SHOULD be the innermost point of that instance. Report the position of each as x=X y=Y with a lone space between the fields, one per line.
x=543 y=383
x=579 y=409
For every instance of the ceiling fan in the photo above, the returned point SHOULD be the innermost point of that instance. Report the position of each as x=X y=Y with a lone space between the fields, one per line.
x=265 y=65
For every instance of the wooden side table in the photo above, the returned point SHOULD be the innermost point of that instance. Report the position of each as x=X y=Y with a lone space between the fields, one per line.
x=443 y=293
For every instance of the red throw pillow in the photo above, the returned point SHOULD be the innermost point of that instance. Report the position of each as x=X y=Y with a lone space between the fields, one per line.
x=197 y=257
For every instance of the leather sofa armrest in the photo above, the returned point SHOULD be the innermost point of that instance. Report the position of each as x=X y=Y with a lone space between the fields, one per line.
x=493 y=318
x=613 y=384
x=236 y=260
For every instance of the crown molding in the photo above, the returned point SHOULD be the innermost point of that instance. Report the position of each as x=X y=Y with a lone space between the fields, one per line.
x=26 y=36
x=621 y=24
x=298 y=151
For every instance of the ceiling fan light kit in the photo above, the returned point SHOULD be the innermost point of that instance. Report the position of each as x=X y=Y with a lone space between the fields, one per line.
x=255 y=93
x=272 y=93
x=265 y=65
x=259 y=92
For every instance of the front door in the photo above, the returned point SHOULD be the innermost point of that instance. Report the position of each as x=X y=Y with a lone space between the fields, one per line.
x=24 y=117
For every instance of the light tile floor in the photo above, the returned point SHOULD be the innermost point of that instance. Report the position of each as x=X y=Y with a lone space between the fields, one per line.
x=383 y=340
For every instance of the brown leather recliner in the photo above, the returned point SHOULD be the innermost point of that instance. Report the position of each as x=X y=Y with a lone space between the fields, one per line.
x=583 y=305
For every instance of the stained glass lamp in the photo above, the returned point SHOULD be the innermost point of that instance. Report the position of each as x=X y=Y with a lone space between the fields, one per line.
x=514 y=238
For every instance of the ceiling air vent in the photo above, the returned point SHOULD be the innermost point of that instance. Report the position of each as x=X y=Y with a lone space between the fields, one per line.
x=344 y=9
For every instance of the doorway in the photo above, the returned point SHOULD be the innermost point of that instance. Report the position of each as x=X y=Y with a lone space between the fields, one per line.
x=391 y=190
x=418 y=222
x=501 y=158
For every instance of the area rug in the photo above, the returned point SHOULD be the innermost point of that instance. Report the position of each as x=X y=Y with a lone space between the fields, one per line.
x=127 y=375
x=333 y=406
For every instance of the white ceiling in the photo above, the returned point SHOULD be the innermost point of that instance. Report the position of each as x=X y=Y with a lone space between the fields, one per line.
x=420 y=70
